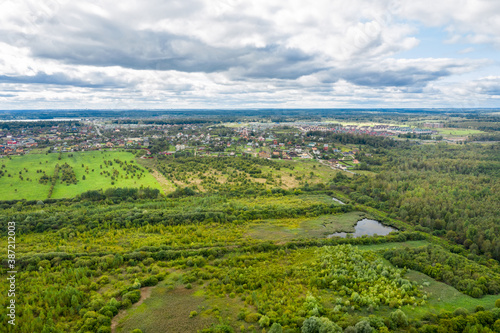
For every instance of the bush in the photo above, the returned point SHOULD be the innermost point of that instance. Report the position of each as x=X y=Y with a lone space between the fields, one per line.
x=276 y=328
x=398 y=317
x=363 y=327
x=252 y=317
x=460 y=312
x=150 y=281
x=311 y=325
x=133 y=296
x=264 y=321
x=193 y=314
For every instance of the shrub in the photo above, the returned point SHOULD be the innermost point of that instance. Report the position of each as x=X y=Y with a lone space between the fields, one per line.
x=398 y=317
x=133 y=296
x=311 y=325
x=460 y=312
x=276 y=328
x=150 y=281
x=363 y=327
x=252 y=317
x=264 y=321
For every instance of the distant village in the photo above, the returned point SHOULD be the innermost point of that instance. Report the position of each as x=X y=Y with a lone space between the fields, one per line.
x=274 y=141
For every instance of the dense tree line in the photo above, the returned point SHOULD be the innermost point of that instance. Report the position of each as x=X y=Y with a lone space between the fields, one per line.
x=453 y=191
x=347 y=138
x=121 y=194
x=39 y=219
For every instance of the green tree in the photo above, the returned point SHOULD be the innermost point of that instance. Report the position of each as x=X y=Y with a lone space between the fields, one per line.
x=276 y=328
x=311 y=325
x=399 y=318
x=363 y=327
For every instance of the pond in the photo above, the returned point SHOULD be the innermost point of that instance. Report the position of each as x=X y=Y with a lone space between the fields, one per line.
x=366 y=227
x=337 y=200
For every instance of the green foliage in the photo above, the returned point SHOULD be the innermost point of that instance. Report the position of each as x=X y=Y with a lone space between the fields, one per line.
x=62 y=178
x=319 y=325
x=276 y=328
x=453 y=190
x=398 y=317
x=353 y=278
x=465 y=275
x=363 y=327
x=220 y=328
x=311 y=325
x=78 y=256
x=182 y=192
x=132 y=296
x=252 y=317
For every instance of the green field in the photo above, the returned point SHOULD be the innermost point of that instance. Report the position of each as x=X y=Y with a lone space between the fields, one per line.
x=93 y=169
x=170 y=305
x=458 y=131
x=444 y=297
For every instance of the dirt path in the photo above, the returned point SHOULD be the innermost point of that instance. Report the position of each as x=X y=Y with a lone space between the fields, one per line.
x=145 y=293
x=165 y=184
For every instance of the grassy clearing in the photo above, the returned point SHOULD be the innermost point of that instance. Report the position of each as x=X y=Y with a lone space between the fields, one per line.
x=444 y=297
x=29 y=187
x=458 y=131
x=167 y=310
x=170 y=305
x=318 y=227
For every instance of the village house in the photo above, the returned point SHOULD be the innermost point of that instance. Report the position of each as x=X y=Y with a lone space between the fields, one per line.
x=264 y=154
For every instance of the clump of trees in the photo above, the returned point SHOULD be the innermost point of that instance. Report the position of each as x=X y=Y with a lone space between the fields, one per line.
x=68 y=175
x=121 y=193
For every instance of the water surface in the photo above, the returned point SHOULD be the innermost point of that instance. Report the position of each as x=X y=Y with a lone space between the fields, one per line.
x=366 y=227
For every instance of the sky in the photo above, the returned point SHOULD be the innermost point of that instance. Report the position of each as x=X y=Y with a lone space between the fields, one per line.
x=61 y=54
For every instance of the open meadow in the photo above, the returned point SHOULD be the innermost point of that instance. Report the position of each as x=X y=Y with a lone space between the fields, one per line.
x=31 y=176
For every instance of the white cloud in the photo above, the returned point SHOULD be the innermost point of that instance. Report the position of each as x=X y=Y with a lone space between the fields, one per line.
x=474 y=21
x=197 y=53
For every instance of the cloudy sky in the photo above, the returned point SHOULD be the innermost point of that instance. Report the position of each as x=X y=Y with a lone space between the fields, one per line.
x=249 y=54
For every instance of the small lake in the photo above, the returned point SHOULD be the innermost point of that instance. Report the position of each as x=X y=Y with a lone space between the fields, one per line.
x=337 y=200
x=366 y=227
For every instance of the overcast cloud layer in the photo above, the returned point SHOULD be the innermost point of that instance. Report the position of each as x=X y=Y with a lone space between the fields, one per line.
x=261 y=53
